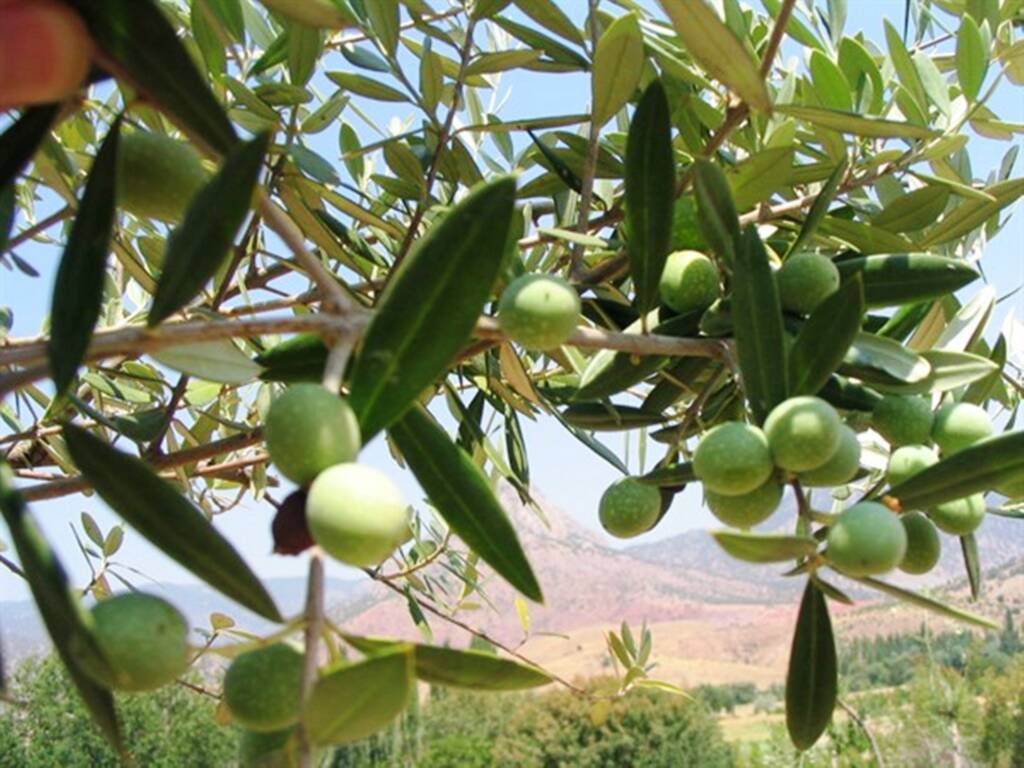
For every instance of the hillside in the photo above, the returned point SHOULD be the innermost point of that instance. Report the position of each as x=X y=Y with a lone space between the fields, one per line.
x=714 y=619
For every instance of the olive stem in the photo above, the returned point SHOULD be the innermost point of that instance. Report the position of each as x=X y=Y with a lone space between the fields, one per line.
x=852 y=713
x=314 y=627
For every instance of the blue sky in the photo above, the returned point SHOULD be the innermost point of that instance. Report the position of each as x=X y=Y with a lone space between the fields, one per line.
x=564 y=472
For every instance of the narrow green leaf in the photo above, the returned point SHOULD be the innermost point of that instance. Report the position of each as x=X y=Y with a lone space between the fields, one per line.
x=830 y=83
x=365 y=86
x=78 y=287
x=904 y=65
x=501 y=61
x=971 y=57
x=555 y=50
x=870 y=353
x=650 y=193
x=717 y=210
x=18 y=144
x=913 y=211
x=7 y=213
x=196 y=249
x=669 y=477
x=65 y=620
x=305 y=46
x=949 y=371
x=977 y=468
x=477 y=670
x=714 y=46
x=825 y=338
x=819 y=208
x=168 y=520
x=757 y=319
x=139 y=39
x=973 y=213
x=463 y=497
x=618 y=65
x=908 y=278
x=219 y=361
x=328 y=14
x=972 y=563
x=551 y=17
x=357 y=700
x=300 y=358
x=765 y=547
x=865 y=238
x=605 y=417
x=430 y=307
x=384 y=21
x=928 y=603
x=858 y=125
x=812 y=681
x=760 y=176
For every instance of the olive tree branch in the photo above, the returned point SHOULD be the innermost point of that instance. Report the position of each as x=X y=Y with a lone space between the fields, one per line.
x=442 y=141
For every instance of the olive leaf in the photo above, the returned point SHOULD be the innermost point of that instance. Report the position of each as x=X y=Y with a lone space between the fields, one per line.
x=757 y=317
x=139 y=40
x=476 y=670
x=21 y=140
x=714 y=46
x=907 y=279
x=717 y=218
x=812 y=681
x=459 y=491
x=430 y=307
x=65 y=620
x=78 y=287
x=355 y=700
x=650 y=193
x=764 y=547
x=979 y=467
x=168 y=520
x=825 y=337
x=197 y=248
x=618 y=65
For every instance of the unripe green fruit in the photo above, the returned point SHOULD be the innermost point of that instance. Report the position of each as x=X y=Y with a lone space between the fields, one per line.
x=274 y=749
x=923 y=545
x=803 y=433
x=539 y=311
x=959 y=425
x=865 y=540
x=806 y=280
x=907 y=461
x=308 y=430
x=144 y=639
x=841 y=468
x=262 y=688
x=357 y=514
x=629 y=508
x=157 y=176
x=686 y=234
x=903 y=420
x=1013 y=487
x=733 y=459
x=747 y=510
x=961 y=516
x=689 y=282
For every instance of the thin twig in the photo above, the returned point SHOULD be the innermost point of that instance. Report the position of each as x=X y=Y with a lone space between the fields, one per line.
x=442 y=141
x=66 y=212
x=879 y=761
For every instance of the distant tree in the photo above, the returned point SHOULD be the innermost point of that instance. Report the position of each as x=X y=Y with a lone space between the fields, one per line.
x=49 y=727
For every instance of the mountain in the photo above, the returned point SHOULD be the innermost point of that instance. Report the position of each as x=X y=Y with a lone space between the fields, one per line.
x=714 y=619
